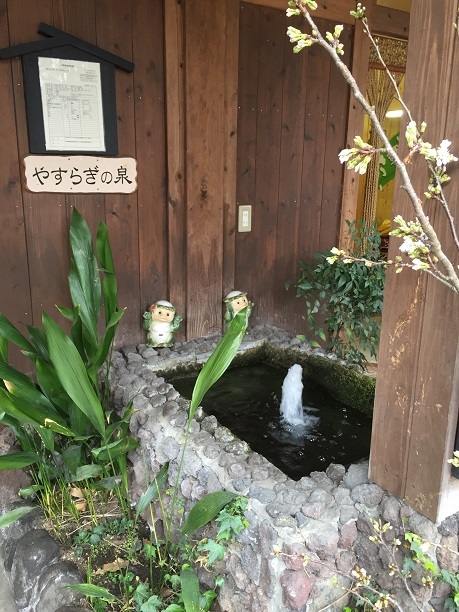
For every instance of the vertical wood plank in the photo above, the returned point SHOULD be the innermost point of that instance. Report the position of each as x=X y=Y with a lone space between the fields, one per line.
x=148 y=55
x=249 y=17
x=205 y=27
x=337 y=112
x=291 y=163
x=230 y=147
x=414 y=421
x=264 y=220
x=359 y=68
x=114 y=33
x=45 y=214
x=176 y=198
x=15 y=295
x=315 y=134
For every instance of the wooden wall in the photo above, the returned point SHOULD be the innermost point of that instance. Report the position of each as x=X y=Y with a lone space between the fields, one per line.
x=292 y=123
x=34 y=230
x=417 y=392
x=186 y=115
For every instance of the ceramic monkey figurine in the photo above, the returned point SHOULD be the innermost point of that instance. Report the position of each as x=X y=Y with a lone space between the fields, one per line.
x=236 y=301
x=162 y=322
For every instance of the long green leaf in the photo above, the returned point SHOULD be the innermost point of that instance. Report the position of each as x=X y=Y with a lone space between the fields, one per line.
x=109 y=483
x=84 y=279
x=153 y=490
x=206 y=509
x=220 y=359
x=72 y=373
x=190 y=590
x=39 y=340
x=110 y=451
x=8 y=331
x=107 y=339
x=3 y=349
x=51 y=386
x=15 y=461
x=13 y=515
x=91 y=590
x=84 y=472
x=109 y=285
x=23 y=387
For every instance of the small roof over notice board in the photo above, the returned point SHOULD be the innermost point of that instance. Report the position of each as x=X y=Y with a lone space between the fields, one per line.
x=70 y=93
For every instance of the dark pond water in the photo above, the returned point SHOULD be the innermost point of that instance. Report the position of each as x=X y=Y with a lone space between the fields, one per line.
x=247 y=399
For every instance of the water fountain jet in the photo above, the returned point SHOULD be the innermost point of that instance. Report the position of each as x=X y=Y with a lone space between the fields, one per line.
x=291 y=407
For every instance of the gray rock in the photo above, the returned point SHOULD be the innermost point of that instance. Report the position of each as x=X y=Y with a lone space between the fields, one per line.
x=357 y=474
x=447 y=557
x=211 y=451
x=296 y=587
x=390 y=510
x=237 y=448
x=294 y=497
x=335 y=472
x=368 y=494
x=242 y=484
x=323 y=481
x=236 y=470
x=167 y=449
x=51 y=592
x=209 y=424
x=348 y=513
x=347 y=534
x=263 y=495
x=250 y=563
x=450 y=526
x=223 y=434
x=34 y=552
x=320 y=538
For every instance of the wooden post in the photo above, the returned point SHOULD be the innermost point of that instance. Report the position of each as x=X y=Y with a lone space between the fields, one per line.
x=417 y=392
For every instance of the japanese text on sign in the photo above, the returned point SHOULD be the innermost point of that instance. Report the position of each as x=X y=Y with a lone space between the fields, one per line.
x=80 y=174
x=71 y=95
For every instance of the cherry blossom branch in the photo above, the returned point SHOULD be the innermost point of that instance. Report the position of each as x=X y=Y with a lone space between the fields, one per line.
x=359 y=159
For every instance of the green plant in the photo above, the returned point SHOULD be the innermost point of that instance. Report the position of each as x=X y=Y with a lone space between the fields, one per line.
x=345 y=297
x=175 y=559
x=60 y=416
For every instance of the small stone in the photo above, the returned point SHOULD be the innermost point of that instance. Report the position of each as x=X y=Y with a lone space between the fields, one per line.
x=447 y=556
x=236 y=470
x=335 y=472
x=320 y=538
x=294 y=497
x=203 y=438
x=347 y=534
x=275 y=509
x=263 y=495
x=180 y=420
x=368 y=494
x=323 y=481
x=313 y=510
x=237 y=448
x=157 y=400
x=296 y=587
x=285 y=520
x=319 y=496
x=342 y=495
x=260 y=474
x=449 y=526
x=242 y=484
x=211 y=451
x=346 y=562
x=357 y=474
x=209 y=424
x=223 y=434
x=348 y=513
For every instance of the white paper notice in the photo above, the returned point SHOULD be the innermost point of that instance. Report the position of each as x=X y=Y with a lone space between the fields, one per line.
x=71 y=95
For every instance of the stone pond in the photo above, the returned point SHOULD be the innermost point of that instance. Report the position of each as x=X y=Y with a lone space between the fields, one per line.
x=304 y=537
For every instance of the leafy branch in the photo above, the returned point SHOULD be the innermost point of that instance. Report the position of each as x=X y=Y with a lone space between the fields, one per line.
x=431 y=257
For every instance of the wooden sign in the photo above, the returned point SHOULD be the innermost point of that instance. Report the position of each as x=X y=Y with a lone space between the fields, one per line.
x=80 y=174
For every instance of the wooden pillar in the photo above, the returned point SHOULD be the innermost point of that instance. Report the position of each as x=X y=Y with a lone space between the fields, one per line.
x=417 y=392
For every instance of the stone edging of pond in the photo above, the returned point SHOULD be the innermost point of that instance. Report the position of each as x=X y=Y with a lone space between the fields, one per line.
x=324 y=518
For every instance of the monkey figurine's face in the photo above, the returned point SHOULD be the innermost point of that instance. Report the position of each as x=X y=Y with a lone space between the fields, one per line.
x=239 y=303
x=159 y=313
